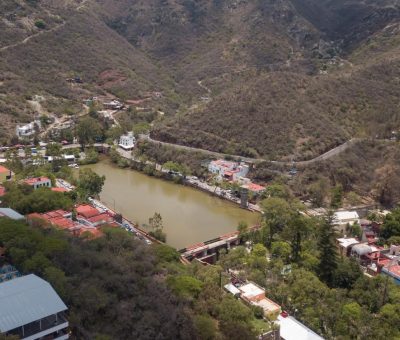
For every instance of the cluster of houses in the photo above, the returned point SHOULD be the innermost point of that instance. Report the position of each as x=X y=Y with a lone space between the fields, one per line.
x=83 y=220
x=28 y=130
x=234 y=172
x=253 y=295
x=373 y=258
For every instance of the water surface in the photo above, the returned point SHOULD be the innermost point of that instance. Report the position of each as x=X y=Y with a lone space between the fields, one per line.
x=189 y=215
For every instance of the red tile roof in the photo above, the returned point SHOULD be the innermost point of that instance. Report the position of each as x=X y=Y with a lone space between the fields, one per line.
x=3 y=169
x=59 y=189
x=102 y=217
x=87 y=210
x=2 y=191
x=32 y=181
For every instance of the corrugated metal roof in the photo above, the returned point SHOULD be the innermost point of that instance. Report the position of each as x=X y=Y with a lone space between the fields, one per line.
x=10 y=213
x=27 y=299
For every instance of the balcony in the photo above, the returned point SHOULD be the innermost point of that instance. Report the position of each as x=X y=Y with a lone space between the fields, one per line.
x=49 y=328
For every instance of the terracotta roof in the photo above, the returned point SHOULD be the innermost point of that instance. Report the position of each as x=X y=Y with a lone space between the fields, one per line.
x=254 y=187
x=32 y=181
x=3 y=169
x=59 y=189
x=87 y=210
x=102 y=217
x=2 y=191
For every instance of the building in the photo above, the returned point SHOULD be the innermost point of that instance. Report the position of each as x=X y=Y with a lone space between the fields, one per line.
x=38 y=182
x=292 y=329
x=345 y=244
x=5 y=174
x=10 y=213
x=113 y=105
x=227 y=170
x=25 y=131
x=255 y=295
x=254 y=188
x=343 y=218
x=31 y=309
x=127 y=142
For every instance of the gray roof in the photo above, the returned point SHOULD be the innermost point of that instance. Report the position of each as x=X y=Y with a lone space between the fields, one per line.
x=10 y=213
x=27 y=299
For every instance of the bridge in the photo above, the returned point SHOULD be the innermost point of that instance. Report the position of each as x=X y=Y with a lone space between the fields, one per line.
x=208 y=251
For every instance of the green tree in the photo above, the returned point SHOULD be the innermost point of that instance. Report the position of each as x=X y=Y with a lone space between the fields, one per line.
x=277 y=213
x=337 y=196
x=88 y=130
x=391 y=224
x=205 y=327
x=327 y=251
x=89 y=183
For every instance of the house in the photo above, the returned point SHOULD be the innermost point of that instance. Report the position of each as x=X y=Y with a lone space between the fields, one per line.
x=127 y=142
x=345 y=244
x=5 y=174
x=113 y=105
x=255 y=296
x=25 y=131
x=254 y=188
x=292 y=329
x=38 y=182
x=31 y=309
x=343 y=218
x=10 y=213
x=227 y=170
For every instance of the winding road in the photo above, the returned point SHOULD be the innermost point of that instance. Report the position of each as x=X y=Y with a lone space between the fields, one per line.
x=329 y=154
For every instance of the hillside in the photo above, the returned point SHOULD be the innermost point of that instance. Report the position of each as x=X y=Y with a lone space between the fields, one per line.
x=276 y=79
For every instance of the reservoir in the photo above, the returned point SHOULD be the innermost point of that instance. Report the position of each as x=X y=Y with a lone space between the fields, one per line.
x=189 y=216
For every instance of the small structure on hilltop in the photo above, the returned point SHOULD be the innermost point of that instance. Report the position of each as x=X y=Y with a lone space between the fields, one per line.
x=28 y=130
x=31 y=309
x=113 y=105
x=127 y=142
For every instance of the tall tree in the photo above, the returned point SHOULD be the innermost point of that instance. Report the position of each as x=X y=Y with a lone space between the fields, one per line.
x=327 y=251
x=87 y=130
x=90 y=183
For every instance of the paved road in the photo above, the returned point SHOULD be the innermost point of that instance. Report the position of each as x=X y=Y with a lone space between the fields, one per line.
x=331 y=153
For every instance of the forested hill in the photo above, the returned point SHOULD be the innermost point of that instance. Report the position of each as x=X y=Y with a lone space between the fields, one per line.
x=282 y=78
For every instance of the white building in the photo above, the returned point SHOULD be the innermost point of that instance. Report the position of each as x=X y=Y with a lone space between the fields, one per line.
x=31 y=309
x=230 y=171
x=343 y=218
x=127 y=142
x=38 y=182
x=24 y=131
x=291 y=329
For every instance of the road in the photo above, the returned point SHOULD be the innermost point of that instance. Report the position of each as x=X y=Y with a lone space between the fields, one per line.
x=329 y=154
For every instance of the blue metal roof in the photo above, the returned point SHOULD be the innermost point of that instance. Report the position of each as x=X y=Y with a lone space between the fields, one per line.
x=27 y=299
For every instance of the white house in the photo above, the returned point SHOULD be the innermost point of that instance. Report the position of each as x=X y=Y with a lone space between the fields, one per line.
x=127 y=142
x=342 y=218
x=24 y=131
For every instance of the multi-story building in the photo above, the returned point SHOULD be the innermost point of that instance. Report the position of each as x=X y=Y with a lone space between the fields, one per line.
x=31 y=309
x=127 y=142
x=26 y=131
x=227 y=170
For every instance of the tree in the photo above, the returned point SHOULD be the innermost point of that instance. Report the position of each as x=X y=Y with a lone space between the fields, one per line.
x=243 y=229
x=391 y=225
x=89 y=183
x=205 y=327
x=87 y=130
x=327 y=251
x=156 y=225
x=281 y=250
x=337 y=196
x=277 y=213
